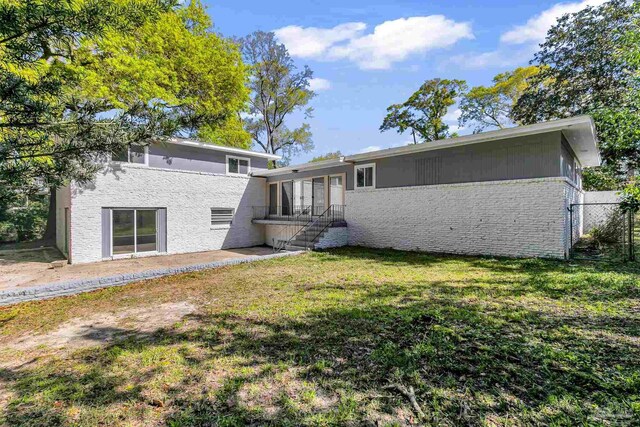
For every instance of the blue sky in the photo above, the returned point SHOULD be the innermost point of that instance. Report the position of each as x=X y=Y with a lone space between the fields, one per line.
x=367 y=55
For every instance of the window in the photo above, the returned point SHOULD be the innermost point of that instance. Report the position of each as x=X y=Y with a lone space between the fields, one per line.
x=133 y=154
x=366 y=176
x=238 y=166
x=134 y=231
x=222 y=215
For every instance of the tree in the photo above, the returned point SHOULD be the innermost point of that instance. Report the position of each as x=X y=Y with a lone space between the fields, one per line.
x=177 y=62
x=277 y=91
x=424 y=111
x=586 y=70
x=490 y=107
x=82 y=79
x=329 y=156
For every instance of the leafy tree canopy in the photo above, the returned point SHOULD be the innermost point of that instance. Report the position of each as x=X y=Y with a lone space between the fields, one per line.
x=587 y=67
x=177 y=62
x=82 y=78
x=329 y=156
x=490 y=106
x=278 y=90
x=423 y=113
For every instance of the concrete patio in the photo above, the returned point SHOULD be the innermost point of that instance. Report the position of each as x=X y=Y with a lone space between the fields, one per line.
x=26 y=269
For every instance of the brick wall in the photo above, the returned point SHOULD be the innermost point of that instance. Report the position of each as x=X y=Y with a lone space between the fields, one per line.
x=518 y=218
x=188 y=197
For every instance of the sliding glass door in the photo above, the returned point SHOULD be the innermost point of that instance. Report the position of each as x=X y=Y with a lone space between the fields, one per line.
x=134 y=230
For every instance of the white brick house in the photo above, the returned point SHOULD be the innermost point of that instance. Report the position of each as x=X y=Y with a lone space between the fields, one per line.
x=504 y=192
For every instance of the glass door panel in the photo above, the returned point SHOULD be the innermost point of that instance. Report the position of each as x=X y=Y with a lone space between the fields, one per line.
x=318 y=196
x=273 y=199
x=307 y=193
x=123 y=231
x=146 y=231
x=336 y=193
x=287 y=197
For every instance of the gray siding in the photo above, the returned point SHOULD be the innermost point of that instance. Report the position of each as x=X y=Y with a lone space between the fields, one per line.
x=347 y=168
x=535 y=156
x=521 y=158
x=180 y=157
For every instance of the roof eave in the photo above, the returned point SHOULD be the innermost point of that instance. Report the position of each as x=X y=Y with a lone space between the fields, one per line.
x=587 y=153
x=222 y=148
x=302 y=167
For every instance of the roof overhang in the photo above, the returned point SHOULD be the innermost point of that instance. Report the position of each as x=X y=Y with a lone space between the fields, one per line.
x=579 y=131
x=231 y=150
x=302 y=167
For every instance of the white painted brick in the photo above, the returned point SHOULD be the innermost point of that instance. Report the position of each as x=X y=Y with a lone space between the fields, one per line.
x=188 y=197
x=334 y=237
x=518 y=218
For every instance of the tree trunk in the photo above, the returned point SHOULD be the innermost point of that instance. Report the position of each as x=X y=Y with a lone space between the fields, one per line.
x=50 y=230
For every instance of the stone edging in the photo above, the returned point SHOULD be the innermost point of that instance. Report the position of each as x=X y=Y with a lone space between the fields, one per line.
x=57 y=289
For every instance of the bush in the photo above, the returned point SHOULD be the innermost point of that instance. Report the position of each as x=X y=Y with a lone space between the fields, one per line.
x=26 y=222
x=610 y=231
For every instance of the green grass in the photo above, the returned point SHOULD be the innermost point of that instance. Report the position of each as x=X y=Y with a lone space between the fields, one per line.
x=320 y=339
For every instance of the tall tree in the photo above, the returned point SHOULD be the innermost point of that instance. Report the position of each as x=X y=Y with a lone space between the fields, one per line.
x=83 y=78
x=490 y=107
x=423 y=113
x=278 y=90
x=585 y=71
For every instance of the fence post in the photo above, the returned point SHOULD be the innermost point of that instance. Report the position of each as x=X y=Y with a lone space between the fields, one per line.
x=570 y=229
x=632 y=254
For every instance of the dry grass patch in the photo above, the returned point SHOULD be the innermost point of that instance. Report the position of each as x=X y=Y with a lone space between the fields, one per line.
x=331 y=339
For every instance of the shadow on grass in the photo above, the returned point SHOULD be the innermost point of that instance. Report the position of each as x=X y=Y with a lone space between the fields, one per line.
x=475 y=354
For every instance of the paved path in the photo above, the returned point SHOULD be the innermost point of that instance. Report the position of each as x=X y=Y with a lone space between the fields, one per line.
x=56 y=289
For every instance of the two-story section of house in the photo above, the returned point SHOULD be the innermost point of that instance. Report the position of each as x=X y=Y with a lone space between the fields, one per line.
x=167 y=198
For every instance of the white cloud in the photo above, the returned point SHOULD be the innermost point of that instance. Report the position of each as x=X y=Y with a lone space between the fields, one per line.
x=311 y=42
x=499 y=58
x=526 y=36
x=451 y=118
x=535 y=29
x=370 y=149
x=390 y=42
x=318 y=84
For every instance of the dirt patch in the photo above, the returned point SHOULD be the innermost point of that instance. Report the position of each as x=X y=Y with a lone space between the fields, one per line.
x=105 y=327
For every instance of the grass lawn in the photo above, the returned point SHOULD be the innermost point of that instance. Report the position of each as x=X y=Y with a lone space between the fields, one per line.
x=343 y=337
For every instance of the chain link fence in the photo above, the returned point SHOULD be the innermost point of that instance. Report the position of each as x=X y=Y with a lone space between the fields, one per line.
x=601 y=231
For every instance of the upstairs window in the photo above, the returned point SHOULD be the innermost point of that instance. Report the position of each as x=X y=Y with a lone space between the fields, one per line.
x=366 y=176
x=238 y=166
x=132 y=154
x=222 y=215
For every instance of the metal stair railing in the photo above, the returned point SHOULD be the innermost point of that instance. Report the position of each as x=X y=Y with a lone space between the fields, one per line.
x=305 y=213
x=322 y=222
x=330 y=215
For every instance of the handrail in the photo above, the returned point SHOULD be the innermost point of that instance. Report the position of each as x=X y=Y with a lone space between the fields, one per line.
x=304 y=211
x=328 y=223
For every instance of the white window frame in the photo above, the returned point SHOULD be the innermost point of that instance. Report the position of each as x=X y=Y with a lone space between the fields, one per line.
x=355 y=176
x=238 y=158
x=135 y=232
x=146 y=157
x=223 y=222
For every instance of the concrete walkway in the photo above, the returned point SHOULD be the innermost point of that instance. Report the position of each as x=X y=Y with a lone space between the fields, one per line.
x=34 y=278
